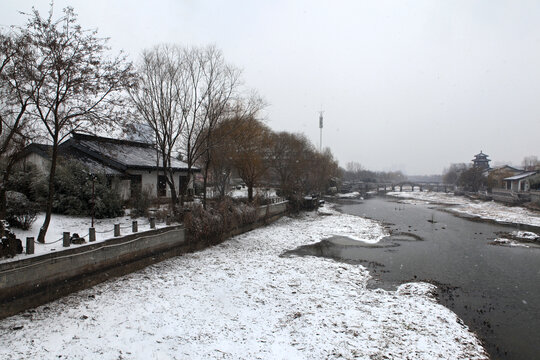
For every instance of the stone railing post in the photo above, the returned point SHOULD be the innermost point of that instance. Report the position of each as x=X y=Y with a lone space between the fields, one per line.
x=66 y=240
x=29 y=245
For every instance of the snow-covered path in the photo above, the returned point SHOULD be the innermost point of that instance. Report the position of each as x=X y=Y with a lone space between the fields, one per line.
x=242 y=300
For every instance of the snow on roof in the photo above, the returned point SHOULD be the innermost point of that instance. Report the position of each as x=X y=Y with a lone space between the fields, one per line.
x=121 y=154
x=94 y=166
x=521 y=176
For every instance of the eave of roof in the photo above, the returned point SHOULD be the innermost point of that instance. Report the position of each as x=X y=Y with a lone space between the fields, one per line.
x=521 y=176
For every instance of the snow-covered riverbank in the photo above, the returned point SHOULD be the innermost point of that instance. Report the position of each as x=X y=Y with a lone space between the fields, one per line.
x=73 y=224
x=242 y=300
x=489 y=210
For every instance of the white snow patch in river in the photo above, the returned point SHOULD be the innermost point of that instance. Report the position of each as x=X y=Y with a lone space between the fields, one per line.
x=490 y=210
x=242 y=300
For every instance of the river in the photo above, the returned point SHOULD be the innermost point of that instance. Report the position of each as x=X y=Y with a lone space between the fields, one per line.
x=494 y=289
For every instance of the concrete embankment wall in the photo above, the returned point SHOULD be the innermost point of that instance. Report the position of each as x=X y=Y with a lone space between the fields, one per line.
x=34 y=281
x=535 y=196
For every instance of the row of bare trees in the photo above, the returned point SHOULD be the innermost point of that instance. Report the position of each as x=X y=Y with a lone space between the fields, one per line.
x=247 y=147
x=183 y=95
x=196 y=106
x=354 y=171
x=56 y=78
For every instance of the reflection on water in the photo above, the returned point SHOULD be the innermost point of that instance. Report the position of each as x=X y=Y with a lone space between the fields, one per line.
x=494 y=289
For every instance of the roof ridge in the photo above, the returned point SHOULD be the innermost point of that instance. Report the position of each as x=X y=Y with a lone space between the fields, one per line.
x=81 y=136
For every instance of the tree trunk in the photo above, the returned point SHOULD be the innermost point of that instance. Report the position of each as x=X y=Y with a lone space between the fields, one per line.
x=50 y=195
x=205 y=180
x=174 y=196
x=169 y=177
x=250 y=192
x=5 y=179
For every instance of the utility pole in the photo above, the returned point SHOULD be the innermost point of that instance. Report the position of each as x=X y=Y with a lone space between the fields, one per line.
x=320 y=127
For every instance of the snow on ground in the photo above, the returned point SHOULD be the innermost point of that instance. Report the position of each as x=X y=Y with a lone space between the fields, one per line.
x=430 y=197
x=242 y=300
x=351 y=195
x=243 y=192
x=72 y=224
x=525 y=235
x=509 y=242
x=490 y=210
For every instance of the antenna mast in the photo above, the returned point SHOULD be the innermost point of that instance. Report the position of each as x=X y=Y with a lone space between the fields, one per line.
x=320 y=127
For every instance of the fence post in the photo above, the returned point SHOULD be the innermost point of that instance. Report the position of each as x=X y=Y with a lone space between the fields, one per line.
x=92 y=234
x=152 y=223
x=66 y=240
x=29 y=245
x=134 y=226
x=116 y=230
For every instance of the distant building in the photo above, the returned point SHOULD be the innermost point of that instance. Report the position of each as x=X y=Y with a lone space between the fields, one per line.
x=523 y=182
x=497 y=175
x=481 y=161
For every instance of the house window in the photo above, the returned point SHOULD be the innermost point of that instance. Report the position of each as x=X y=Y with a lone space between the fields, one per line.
x=162 y=185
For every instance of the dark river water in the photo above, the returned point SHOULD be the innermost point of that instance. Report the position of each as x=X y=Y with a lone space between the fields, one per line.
x=494 y=289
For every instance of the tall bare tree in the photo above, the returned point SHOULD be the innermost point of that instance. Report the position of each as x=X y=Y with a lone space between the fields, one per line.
x=251 y=151
x=217 y=157
x=158 y=98
x=290 y=159
x=75 y=85
x=530 y=163
x=209 y=90
x=15 y=127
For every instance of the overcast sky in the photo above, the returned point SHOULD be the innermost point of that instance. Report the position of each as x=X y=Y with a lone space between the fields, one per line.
x=404 y=85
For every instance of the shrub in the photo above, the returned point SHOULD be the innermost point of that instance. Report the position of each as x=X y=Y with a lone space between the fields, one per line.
x=73 y=192
x=215 y=223
x=20 y=212
x=140 y=201
x=9 y=244
x=296 y=203
x=29 y=181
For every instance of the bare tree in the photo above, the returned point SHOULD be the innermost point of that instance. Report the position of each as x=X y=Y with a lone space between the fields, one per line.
x=208 y=92
x=530 y=163
x=453 y=173
x=217 y=157
x=290 y=159
x=158 y=99
x=250 y=151
x=74 y=84
x=15 y=128
x=323 y=168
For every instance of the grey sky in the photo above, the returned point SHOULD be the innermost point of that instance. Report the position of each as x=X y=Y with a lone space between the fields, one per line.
x=410 y=85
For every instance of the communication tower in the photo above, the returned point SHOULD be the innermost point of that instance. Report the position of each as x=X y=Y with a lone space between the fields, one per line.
x=320 y=127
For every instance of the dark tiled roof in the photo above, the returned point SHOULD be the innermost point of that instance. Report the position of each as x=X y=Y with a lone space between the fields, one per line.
x=119 y=154
x=43 y=150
